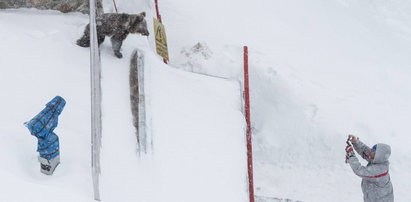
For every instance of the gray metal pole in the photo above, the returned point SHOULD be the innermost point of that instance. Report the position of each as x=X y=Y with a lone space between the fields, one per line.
x=95 y=79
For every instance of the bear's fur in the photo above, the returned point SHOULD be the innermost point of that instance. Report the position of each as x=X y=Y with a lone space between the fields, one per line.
x=116 y=26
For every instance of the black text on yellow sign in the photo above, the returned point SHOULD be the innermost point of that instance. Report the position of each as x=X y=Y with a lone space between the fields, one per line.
x=161 y=40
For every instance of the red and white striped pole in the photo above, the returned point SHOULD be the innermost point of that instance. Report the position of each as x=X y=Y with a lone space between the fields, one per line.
x=247 y=116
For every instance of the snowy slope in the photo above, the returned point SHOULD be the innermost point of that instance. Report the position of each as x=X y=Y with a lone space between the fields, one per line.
x=319 y=70
x=40 y=61
x=196 y=153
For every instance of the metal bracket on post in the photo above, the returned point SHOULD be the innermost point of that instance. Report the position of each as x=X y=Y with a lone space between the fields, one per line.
x=138 y=102
x=142 y=105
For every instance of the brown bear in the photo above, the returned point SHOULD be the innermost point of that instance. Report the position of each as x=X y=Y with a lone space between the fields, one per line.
x=117 y=26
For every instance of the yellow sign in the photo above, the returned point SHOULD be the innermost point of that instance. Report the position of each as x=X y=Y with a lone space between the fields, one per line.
x=161 y=40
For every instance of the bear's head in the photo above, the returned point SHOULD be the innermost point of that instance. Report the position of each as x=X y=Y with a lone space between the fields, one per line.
x=138 y=24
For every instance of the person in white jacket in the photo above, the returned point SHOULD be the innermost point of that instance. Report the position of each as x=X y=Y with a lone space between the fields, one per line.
x=376 y=183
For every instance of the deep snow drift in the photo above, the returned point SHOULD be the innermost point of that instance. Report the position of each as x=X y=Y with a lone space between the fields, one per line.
x=195 y=120
x=320 y=70
x=40 y=61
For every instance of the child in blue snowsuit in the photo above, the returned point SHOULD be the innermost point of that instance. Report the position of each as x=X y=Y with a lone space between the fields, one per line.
x=42 y=126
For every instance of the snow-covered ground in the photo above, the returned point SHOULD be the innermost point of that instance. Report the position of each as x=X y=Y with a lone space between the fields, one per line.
x=195 y=152
x=39 y=61
x=320 y=69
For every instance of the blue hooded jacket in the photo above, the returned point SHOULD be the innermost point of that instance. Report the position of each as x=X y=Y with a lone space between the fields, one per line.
x=42 y=126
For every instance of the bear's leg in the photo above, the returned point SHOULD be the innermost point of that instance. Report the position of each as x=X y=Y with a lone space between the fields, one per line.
x=100 y=39
x=116 y=45
x=84 y=41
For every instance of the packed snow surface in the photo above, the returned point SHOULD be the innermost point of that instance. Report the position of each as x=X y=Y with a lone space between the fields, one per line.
x=196 y=121
x=319 y=70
